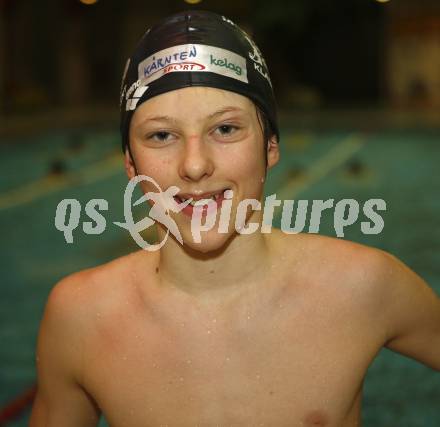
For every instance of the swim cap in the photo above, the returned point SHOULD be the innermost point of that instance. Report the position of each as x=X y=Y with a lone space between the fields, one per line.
x=195 y=48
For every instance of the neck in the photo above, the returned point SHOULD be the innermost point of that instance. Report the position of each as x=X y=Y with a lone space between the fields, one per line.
x=242 y=261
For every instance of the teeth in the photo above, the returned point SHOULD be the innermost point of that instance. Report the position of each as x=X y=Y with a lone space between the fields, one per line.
x=201 y=201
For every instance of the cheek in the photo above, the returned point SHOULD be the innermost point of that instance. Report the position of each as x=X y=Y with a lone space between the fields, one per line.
x=154 y=166
x=247 y=169
x=249 y=162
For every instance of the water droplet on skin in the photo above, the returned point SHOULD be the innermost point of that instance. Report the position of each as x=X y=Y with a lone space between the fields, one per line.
x=124 y=357
x=258 y=376
x=209 y=331
x=181 y=378
x=183 y=324
x=249 y=317
x=189 y=362
x=228 y=359
x=214 y=320
x=98 y=314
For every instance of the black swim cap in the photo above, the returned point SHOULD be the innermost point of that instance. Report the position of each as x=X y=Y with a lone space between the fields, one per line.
x=195 y=48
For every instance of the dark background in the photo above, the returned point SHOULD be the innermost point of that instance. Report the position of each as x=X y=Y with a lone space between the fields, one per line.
x=65 y=56
x=65 y=53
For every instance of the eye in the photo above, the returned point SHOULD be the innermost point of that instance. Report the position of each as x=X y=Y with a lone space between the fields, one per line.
x=161 y=136
x=226 y=130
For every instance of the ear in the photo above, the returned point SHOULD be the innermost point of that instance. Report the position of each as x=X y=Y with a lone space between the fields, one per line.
x=130 y=168
x=273 y=152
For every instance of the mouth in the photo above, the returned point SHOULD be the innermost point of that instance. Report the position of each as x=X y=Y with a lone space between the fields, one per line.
x=200 y=201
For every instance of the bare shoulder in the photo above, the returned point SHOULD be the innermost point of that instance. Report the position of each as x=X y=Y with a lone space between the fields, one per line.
x=68 y=319
x=347 y=270
x=374 y=286
x=71 y=308
x=85 y=289
x=404 y=308
x=344 y=258
x=358 y=261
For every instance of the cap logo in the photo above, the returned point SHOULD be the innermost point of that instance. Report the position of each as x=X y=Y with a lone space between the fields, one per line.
x=193 y=58
x=257 y=58
x=132 y=102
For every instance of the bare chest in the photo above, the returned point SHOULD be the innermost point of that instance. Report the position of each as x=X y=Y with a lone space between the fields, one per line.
x=283 y=367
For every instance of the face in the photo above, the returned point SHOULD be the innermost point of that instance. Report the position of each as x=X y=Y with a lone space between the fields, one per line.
x=204 y=141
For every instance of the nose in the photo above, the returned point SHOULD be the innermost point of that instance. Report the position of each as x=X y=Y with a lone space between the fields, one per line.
x=196 y=162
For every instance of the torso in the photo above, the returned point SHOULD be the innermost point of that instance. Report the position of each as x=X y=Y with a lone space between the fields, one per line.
x=292 y=355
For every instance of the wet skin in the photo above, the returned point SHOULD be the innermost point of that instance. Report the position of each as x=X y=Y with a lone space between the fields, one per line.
x=237 y=330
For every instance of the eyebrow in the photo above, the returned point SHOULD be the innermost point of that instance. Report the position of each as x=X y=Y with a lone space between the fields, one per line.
x=224 y=110
x=159 y=119
x=169 y=119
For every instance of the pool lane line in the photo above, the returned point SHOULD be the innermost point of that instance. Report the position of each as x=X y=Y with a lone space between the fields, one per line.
x=52 y=183
x=321 y=167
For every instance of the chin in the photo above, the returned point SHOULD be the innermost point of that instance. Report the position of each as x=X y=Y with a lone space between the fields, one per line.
x=211 y=242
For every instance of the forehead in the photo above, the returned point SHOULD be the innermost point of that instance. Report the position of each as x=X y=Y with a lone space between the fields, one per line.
x=197 y=102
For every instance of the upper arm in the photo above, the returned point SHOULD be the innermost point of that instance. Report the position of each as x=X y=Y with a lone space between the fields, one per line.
x=60 y=398
x=411 y=313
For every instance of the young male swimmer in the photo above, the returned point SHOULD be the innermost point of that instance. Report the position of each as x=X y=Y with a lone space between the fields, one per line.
x=238 y=330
